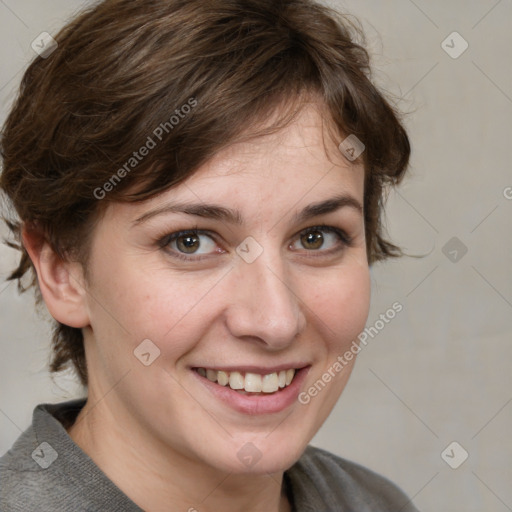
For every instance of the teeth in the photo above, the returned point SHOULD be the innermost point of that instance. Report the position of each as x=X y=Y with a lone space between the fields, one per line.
x=236 y=380
x=222 y=378
x=282 y=378
x=270 y=383
x=250 y=382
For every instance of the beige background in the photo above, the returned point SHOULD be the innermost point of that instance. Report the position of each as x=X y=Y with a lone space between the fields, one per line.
x=441 y=370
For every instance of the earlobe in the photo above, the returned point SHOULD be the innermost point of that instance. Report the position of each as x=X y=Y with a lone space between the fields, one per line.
x=61 y=282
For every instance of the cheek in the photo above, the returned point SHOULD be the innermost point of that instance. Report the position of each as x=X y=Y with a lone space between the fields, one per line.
x=151 y=303
x=342 y=305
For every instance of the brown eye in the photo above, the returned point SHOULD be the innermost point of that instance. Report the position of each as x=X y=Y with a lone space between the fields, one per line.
x=312 y=240
x=188 y=243
x=327 y=238
x=197 y=244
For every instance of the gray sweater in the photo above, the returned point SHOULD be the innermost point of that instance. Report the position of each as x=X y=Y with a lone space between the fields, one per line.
x=45 y=471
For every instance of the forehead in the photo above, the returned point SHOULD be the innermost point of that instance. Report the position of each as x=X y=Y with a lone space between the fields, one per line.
x=298 y=164
x=309 y=138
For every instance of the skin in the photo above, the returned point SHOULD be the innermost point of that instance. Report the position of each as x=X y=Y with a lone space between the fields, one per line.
x=155 y=430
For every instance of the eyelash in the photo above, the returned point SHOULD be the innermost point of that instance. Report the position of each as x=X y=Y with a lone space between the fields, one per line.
x=344 y=238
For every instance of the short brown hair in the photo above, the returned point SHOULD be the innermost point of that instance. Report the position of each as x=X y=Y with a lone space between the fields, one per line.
x=123 y=68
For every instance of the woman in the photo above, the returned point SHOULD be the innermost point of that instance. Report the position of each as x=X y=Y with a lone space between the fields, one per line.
x=198 y=188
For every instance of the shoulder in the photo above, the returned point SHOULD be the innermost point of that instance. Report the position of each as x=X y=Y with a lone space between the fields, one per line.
x=323 y=481
x=20 y=474
x=46 y=471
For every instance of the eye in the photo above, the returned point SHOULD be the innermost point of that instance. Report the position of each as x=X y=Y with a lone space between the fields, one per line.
x=189 y=243
x=327 y=238
x=195 y=244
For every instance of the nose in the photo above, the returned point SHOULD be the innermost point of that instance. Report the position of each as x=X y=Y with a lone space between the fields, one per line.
x=264 y=306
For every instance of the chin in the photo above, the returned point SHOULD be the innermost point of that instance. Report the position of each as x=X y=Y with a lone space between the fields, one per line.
x=262 y=454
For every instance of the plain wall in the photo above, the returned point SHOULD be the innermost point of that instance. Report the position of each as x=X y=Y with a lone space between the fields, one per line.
x=440 y=371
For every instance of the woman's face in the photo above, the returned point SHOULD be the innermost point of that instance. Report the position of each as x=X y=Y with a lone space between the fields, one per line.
x=274 y=283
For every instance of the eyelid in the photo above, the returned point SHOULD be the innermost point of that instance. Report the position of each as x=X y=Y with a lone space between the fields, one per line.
x=330 y=229
x=166 y=239
x=345 y=240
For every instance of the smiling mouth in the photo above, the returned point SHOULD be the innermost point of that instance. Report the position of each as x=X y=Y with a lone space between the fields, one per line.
x=247 y=382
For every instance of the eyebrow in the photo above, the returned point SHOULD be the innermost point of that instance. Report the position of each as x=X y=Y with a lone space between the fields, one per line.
x=217 y=212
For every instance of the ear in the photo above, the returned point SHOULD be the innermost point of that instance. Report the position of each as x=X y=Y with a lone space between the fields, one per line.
x=61 y=282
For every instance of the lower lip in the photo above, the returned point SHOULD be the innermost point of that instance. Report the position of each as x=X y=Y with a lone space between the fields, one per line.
x=257 y=404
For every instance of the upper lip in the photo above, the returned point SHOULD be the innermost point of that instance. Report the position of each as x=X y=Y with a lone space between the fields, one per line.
x=262 y=370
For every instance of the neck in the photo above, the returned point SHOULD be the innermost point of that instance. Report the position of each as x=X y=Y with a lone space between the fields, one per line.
x=153 y=475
